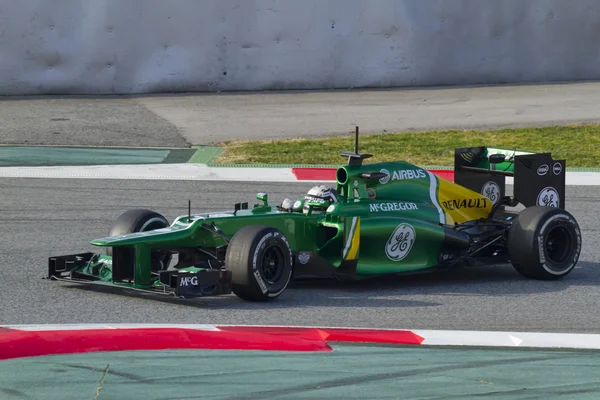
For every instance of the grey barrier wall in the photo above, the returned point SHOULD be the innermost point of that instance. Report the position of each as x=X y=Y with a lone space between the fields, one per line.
x=140 y=46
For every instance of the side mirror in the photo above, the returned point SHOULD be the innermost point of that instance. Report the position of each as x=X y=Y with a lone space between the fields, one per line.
x=298 y=205
x=373 y=176
x=264 y=198
x=496 y=158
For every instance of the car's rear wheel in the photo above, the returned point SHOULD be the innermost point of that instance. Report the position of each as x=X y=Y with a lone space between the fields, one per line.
x=142 y=220
x=260 y=261
x=544 y=243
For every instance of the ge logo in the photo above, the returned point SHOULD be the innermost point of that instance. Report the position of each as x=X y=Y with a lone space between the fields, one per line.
x=491 y=190
x=548 y=197
x=400 y=242
x=386 y=178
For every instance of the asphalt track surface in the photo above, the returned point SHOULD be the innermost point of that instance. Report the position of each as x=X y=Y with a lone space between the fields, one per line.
x=41 y=218
x=201 y=119
x=76 y=121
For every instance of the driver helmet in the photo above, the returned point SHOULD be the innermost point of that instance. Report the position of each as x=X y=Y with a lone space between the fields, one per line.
x=323 y=194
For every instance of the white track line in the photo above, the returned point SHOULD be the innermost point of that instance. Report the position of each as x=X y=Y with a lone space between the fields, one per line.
x=199 y=172
x=509 y=339
x=186 y=172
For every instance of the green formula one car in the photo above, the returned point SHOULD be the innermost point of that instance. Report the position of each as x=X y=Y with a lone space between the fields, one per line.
x=380 y=218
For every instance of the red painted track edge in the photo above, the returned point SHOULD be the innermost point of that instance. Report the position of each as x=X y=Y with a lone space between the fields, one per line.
x=21 y=343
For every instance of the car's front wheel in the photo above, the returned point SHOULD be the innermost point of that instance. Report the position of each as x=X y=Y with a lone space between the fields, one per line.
x=142 y=220
x=260 y=261
x=544 y=243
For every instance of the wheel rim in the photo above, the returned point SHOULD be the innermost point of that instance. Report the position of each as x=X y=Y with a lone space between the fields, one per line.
x=271 y=266
x=558 y=246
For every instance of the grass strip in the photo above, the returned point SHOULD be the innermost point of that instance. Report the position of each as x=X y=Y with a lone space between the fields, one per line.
x=578 y=144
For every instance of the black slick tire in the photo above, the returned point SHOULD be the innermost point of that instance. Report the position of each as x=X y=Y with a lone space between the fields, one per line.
x=137 y=220
x=260 y=261
x=544 y=243
x=141 y=220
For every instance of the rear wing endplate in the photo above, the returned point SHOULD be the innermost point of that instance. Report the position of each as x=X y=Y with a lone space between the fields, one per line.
x=538 y=179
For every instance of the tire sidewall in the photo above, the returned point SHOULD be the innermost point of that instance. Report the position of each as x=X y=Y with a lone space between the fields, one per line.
x=271 y=237
x=550 y=222
x=136 y=220
x=527 y=237
x=144 y=224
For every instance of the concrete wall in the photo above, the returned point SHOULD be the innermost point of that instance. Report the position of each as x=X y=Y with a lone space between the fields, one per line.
x=137 y=46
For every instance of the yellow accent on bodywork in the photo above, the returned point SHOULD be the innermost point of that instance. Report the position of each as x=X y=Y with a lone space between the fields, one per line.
x=461 y=204
x=355 y=242
x=354 y=238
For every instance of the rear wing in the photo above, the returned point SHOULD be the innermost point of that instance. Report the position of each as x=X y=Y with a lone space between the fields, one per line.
x=537 y=178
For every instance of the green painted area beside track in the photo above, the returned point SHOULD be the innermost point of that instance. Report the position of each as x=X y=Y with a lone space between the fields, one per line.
x=350 y=372
x=32 y=156
x=205 y=154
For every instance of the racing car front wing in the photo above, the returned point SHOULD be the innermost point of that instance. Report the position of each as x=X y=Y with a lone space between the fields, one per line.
x=90 y=268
